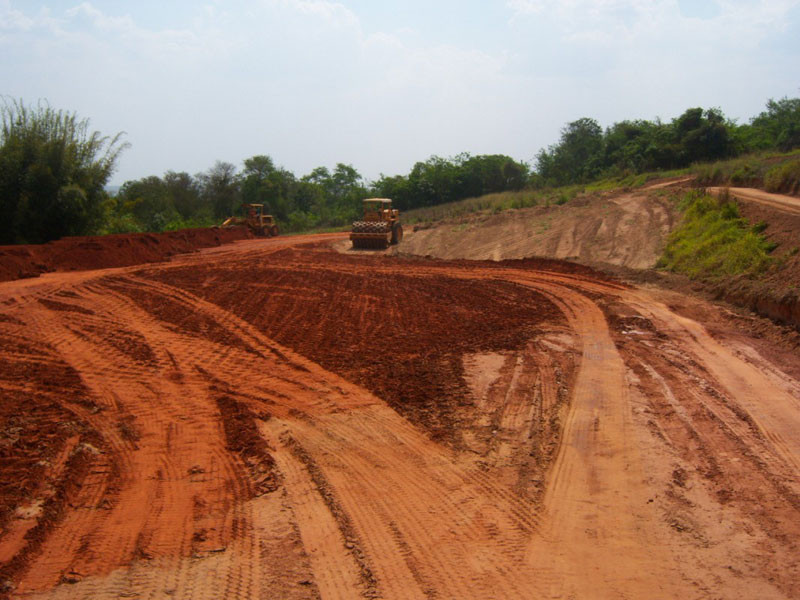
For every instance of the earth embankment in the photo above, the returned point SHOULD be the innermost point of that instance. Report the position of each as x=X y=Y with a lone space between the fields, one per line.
x=776 y=293
x=626 y=232
x=99 y=252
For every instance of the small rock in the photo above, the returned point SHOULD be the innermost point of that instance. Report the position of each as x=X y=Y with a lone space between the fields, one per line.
x=71 y=577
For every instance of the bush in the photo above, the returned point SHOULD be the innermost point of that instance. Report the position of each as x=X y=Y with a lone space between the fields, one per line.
x=784 y=178
x=121 y=224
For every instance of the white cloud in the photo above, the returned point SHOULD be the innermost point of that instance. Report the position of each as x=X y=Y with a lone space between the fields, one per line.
x=604 y=20
x=311 y=82
x=123 y=24
x=332 y=12
x=11 y=19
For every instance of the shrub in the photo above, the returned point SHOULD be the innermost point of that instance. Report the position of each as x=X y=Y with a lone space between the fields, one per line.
x=784 y=178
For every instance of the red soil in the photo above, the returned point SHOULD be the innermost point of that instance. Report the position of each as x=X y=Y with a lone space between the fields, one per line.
x=597 y=444
x=100 y=252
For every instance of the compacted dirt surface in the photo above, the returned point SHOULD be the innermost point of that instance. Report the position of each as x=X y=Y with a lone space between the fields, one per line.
x=276 y=419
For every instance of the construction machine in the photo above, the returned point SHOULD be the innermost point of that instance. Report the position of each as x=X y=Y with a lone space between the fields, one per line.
x=255 y=220
x=379 y=227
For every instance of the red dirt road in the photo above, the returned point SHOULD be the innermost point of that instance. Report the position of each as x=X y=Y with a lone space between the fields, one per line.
x=276 y=419
x=783 y=203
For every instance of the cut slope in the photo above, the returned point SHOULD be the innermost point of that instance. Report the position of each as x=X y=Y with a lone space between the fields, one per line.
x=625 y=229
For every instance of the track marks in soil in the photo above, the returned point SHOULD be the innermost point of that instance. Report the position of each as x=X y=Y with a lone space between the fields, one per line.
x=595 y=509
x=599 y=478
x=521 y=400
x=359 y=325
x=177 y=486
x=403 y=496
x=720 y=455
x=336 y=556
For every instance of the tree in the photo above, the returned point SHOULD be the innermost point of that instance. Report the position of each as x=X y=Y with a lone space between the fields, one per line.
x=487 y=174
x=701 y=135
x=263 y=183
x=779 y=125
x=184 y=192
x=345 y=180
x=433 y=181
x=577 y=157
x=345 y=194
x=397 y=188
x=256 y=186
x=149 y=201
x=53 y=171
x=220 y=189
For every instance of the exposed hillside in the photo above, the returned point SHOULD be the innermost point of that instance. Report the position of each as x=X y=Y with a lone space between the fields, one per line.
x=629 y=228
x=618 y=228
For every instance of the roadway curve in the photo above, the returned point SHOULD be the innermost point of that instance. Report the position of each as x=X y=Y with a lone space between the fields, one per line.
x=786 y=204
x=251 y=422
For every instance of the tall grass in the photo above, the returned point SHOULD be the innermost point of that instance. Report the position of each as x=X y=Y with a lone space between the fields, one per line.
x=491 y=204
x=784 y=178
x=746 y=171
x=494 y=203
x=714 y=241
x=631 y=180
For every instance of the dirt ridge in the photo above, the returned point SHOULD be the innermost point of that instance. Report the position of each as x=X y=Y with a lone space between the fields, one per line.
x=116 y=250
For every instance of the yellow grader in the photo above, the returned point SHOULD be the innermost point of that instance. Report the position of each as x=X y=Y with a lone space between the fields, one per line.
x=379 y=227
x=255 y=220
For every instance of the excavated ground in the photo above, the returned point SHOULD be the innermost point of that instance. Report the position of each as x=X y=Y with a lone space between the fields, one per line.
x=628 y=229
x=277 y=419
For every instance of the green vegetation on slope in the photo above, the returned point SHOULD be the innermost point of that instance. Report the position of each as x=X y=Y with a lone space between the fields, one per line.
x=714 y=241
x=492 y=203
x=784 y=178
x=775 y=172
x=498 y=202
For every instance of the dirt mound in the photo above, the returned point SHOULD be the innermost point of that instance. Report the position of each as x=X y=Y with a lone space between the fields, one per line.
x=338 y=324
x=100 y=252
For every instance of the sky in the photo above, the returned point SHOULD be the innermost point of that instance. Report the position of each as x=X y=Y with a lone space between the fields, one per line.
x=381 y=85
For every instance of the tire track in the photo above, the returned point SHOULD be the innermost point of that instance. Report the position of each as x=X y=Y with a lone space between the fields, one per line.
x=154 y=496
x=594 y=513
x=777 y=420
x=422 y=520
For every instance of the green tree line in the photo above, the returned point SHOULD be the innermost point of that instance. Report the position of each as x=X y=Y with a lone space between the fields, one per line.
x=54 y=170
x=323 y=198
x=586 y=152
